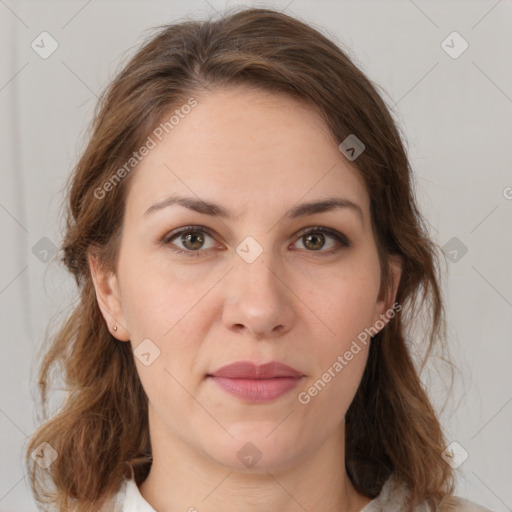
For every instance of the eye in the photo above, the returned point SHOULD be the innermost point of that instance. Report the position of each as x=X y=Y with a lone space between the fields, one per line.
x=314 y=240
x=193 y=239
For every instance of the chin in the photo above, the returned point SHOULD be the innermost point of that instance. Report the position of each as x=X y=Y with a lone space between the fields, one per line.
x=253 y=450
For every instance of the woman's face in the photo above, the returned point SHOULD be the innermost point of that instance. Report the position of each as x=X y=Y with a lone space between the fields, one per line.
x=254 y=283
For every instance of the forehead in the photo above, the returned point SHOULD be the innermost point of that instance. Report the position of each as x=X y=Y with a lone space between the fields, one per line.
x=252 y=150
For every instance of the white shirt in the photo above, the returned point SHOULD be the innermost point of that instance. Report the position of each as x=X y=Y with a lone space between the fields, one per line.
x=390 y=499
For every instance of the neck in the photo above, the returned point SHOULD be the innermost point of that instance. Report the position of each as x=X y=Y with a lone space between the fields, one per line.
x=181 y=478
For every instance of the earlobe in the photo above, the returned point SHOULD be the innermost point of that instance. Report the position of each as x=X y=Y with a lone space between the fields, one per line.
x=108 y=295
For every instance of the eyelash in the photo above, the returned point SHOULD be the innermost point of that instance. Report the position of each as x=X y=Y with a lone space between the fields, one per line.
x=343 y=241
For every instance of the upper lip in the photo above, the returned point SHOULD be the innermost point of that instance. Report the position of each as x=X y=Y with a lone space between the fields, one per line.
x=250 y=370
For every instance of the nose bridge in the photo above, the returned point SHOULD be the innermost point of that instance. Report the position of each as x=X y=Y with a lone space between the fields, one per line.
x=257 y=297
x=256 y=270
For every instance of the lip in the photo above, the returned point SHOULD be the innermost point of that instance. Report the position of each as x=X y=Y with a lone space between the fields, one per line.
x=250 y=370
x=256 y=383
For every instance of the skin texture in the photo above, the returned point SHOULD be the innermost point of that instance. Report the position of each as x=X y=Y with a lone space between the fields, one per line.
x=258 y=154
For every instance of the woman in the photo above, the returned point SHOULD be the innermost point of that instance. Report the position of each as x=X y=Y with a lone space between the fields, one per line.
x=249 y=254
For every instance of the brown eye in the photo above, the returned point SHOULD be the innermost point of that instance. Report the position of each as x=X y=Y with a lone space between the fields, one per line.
x=314 y=240
x=189 y=241
x=193 y=240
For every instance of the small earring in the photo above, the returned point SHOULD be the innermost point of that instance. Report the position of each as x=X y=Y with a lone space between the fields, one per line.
x=114 y=328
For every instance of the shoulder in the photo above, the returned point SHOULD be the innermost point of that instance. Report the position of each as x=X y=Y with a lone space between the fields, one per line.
x=393 y=496
x=127 y=499
x=457 y=504
x=116 y=503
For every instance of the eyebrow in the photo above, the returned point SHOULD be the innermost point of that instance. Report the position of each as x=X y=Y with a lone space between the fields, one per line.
x=301 y=210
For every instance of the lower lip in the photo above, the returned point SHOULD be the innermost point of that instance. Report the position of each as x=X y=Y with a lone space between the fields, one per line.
x=257 y=390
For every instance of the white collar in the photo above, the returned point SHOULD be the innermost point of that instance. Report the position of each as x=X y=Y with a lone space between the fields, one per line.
x=133 y=500
x=391 y=497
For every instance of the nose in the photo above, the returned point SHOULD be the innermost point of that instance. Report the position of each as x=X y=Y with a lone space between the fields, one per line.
x=258 y=300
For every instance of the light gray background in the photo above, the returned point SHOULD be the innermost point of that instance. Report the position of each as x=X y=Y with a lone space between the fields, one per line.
x=455 y=113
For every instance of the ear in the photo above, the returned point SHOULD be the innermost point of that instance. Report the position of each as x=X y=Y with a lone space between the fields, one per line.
x=108 y=296
x=385 y=303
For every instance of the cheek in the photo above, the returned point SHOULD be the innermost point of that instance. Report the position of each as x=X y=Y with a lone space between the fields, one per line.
x=343 y=347
x=169 y=306
x=158 y=294
x=339 y=356
x=345 y=300
x=346 y=306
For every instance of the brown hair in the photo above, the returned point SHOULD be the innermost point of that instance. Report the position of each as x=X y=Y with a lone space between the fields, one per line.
x=102 y=428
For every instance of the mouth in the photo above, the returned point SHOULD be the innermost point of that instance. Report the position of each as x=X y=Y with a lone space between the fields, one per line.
x=256 y=383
